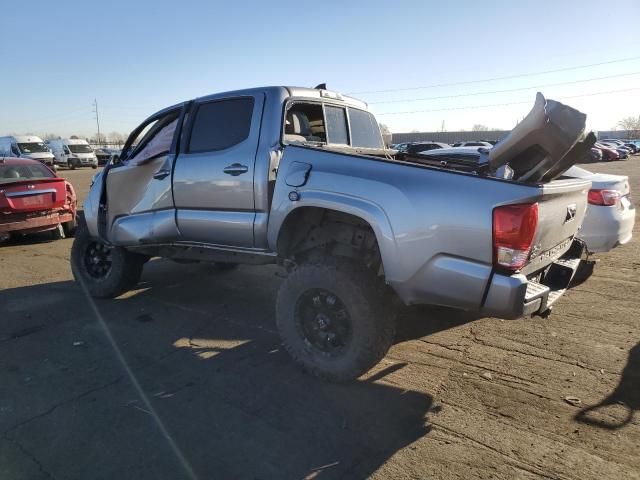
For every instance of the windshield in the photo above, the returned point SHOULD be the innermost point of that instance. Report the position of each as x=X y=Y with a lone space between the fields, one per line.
x=80 y=148
x=35 y=147
x=17 y=173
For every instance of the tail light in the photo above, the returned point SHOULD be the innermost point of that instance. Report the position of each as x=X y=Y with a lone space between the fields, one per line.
x=603 y=197
x=514 y=227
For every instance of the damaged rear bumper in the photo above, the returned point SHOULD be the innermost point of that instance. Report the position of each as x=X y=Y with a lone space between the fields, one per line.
x=515 y=296
x=34 y=222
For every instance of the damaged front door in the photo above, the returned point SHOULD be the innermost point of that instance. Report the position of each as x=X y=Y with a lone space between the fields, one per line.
x=140 y=205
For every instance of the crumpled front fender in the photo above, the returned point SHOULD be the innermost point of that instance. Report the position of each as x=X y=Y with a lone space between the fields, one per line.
x=91 y=205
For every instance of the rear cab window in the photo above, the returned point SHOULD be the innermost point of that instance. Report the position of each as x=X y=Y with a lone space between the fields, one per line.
x=329 y=124
x=337 y=128
x=365 y=132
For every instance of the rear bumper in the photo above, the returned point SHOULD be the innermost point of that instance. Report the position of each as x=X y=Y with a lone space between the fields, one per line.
x=607 y=227
x=35 y=223
x=515 y=296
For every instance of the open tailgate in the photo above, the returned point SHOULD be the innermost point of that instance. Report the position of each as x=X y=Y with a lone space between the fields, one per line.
x=561 y=210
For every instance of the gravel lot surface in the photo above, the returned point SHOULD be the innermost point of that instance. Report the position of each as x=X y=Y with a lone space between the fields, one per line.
x=185 y=377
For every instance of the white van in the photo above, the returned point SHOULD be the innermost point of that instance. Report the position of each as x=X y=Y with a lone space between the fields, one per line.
x=26 y=146
x=73 y=152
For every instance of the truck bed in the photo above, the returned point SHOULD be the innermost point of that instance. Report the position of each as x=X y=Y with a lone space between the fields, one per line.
x=433 y=226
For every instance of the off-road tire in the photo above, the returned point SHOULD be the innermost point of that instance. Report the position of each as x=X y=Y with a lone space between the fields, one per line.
x=372 y=318
x=123 y=275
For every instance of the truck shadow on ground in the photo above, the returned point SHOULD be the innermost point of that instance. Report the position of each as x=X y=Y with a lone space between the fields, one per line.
x=203 y=347
x=423 y=320
x=626 y=394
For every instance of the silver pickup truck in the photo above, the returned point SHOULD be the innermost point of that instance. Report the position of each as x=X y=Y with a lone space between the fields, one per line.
x=300 y=177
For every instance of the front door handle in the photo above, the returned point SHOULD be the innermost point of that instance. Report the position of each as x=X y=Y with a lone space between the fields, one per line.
x=236 y=169
x=160 y=174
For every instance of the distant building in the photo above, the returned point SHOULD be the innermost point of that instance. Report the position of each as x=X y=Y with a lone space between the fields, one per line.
x=448 y=137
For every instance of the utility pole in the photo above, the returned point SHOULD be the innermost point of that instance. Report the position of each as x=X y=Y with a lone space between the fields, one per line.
x=95 y=106
x=442 y=126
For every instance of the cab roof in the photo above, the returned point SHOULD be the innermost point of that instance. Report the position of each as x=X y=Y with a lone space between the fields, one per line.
x=293 y=92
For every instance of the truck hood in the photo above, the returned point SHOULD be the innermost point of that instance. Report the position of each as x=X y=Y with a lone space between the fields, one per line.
x=548 y=141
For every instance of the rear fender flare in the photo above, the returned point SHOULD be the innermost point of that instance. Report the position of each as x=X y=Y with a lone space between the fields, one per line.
x=368 y=211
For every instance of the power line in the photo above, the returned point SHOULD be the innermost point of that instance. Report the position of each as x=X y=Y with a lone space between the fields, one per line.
x=506 y=90
x=504 y=104
x=506 y=77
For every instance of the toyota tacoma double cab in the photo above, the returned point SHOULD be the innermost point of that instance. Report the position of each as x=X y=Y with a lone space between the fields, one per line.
x=300 y=177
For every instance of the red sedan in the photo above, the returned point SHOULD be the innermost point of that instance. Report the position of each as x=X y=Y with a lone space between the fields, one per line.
x=34 y=199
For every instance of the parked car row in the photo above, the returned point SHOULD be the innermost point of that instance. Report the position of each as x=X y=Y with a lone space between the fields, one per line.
x=605 y=150
x=63 y=152
x=610 y=215
x=26 y=146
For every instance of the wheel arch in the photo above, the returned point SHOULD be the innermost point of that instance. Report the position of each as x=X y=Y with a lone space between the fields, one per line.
x=284 y=221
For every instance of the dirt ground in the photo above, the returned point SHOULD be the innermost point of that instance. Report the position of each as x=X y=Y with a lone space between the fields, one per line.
x=185 y=378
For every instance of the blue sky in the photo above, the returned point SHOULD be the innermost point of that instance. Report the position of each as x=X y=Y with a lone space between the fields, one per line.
x=136 y=57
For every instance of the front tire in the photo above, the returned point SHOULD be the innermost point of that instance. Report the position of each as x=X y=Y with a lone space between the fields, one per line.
x=333 y=319
x=106 y=272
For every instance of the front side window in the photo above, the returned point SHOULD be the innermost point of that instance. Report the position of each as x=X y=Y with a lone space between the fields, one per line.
x=221 y=124
x=32 y=147
x=365 y=132
x=157 y=141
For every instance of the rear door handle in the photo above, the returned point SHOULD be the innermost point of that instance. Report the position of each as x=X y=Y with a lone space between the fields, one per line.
x=160 y=174
x=235 y=169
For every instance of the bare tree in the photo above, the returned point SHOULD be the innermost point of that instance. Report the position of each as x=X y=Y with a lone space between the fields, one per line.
x=50 y=136
x=478 y=127
x=98 y=139
x=631 y=125
x=117 y=138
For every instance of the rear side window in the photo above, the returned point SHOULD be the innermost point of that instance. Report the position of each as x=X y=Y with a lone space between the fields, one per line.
x=365 y=132
x=336 y=125
x=221 y=124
